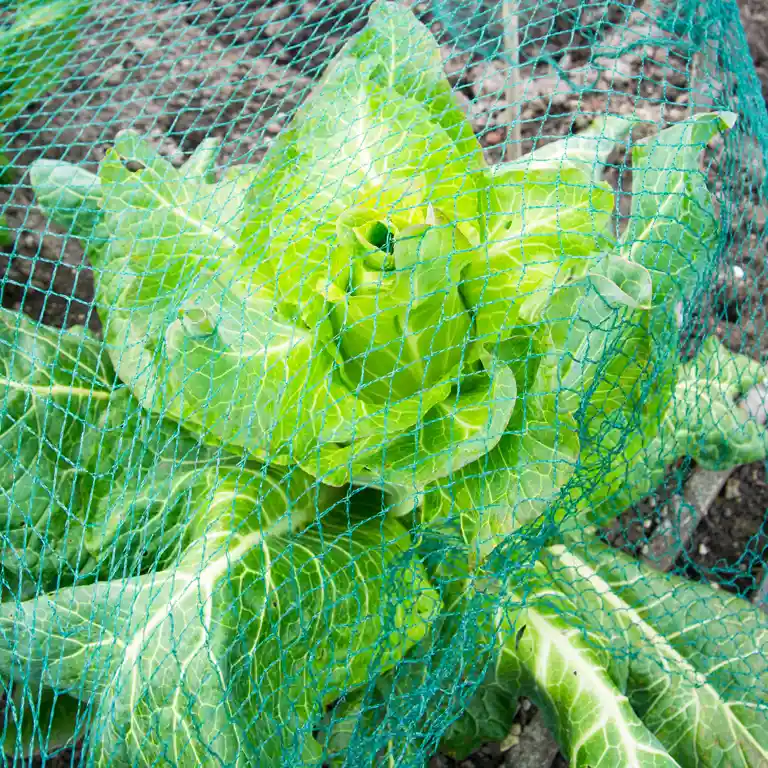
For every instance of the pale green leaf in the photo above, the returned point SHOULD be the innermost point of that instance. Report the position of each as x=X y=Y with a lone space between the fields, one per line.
x=698 y=674
x=589 y=149
x=512 y=484
x=201 y=163
x=352 y=145
x=646 y=413
x=574 y=675
x=235 y=367
x=672 y=228
x=543 y=226
x=401 y=324
x=703 y=420
x=453 y=433
x=407 y=59
x=582 y=323
x=164 y=217
x=70 y=196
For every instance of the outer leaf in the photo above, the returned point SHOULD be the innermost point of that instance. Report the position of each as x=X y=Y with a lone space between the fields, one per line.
x=90 y=484
x=665 y=415
x=512 y=484
x=55 y=391
x=35 y=49
x=703 y=420
x=698 y=675
x=234 y=368
x=201 y=162
x=574 y=676
x=589 y=149
x=130 y=621
x=230 y=655
x=545 y=652
x=430 y=694
x=164 y=216
x=38 y=722
x=515 y=482
x=408 y=60
x=556 y=369
x=672 y=229
x=582 y=323
x=365 y=712
x=70 y=196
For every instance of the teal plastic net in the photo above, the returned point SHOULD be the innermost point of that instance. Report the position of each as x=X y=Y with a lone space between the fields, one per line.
x=382 y=384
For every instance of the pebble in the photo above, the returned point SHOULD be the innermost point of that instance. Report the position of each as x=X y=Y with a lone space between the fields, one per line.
x=274 y=29
x=114 y=75
x=494 y=137
x=144 y=44
x=274 y=128
x=703 y=549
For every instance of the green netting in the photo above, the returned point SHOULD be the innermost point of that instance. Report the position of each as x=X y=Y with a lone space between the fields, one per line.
x=382 y=384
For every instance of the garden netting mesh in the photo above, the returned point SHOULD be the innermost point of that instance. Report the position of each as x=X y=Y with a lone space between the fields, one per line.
x=383 y=384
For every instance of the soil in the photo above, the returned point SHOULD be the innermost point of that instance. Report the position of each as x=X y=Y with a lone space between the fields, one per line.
x=179 y=71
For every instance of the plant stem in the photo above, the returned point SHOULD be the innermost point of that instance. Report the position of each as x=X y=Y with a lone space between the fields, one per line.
x=514 y=89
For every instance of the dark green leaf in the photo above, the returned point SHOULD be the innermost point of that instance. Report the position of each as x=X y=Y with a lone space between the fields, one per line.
x=38 y=722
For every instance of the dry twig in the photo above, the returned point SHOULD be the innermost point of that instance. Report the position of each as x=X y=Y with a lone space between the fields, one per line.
x=514 y=86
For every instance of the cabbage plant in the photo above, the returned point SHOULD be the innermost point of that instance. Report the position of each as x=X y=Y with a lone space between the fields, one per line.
x=328 y=491
x=35 y=49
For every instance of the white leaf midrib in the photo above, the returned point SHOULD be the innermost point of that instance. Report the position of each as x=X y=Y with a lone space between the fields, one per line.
x=658 y=642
